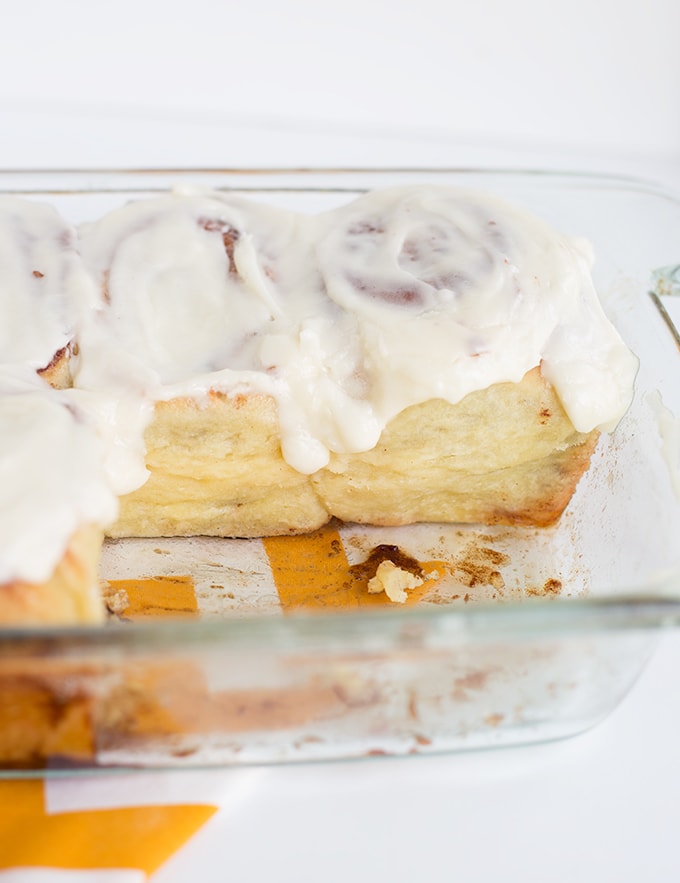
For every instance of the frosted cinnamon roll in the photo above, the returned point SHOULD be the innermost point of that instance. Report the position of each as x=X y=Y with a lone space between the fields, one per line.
x=44 y=290
x=192 y=285
x=455 y=291
x=55 y=502
x=205 y=293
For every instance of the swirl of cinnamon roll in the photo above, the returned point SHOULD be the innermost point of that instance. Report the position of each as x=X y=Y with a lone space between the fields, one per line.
x=188 y=281
x=44 y=289
x=454 y=291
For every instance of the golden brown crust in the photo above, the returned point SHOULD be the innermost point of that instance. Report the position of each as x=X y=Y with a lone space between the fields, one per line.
x=58 y=372
x=70 y=595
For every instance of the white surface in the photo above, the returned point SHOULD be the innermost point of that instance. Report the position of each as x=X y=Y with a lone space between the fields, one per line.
x=585 y=74
x=165 y=83
x=602 y=806
x=589 y=86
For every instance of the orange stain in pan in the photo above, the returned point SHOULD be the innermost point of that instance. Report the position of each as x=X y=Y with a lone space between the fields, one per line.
x=140 y=837
x=157 y=596
x=311 y=572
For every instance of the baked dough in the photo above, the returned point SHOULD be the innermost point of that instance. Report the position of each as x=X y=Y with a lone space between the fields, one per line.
x=216 y=469
x=504 y=455
x=507 y=454
x=70 y=595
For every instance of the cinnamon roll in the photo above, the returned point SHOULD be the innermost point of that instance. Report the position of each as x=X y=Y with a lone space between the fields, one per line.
x=487 y=358
x=55 y=502
x=45 y=292
x=454 y=291
x=191 y=287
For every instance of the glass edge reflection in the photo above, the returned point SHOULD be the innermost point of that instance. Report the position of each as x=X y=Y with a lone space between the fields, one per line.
x=349 y=630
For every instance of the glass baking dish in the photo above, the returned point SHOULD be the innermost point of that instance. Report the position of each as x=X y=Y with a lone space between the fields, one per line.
x=241 y=651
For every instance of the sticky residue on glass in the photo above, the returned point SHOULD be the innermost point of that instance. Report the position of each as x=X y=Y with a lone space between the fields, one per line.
x=669 y=434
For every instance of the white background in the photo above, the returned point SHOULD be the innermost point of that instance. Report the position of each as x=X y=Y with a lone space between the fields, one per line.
x=589 y=84
x=159 y=83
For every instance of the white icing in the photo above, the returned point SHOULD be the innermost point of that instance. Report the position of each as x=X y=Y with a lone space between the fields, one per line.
x=44 y=290
x=51 y=476
x=456 y=291
x=178 y=303
x=345 y=318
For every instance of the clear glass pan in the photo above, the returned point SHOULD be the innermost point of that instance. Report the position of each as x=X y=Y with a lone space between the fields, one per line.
x=543 y=647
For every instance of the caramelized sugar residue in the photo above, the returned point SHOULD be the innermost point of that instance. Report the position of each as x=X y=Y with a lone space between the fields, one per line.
x=550 y=587
x=366 y=570
x=479 y=566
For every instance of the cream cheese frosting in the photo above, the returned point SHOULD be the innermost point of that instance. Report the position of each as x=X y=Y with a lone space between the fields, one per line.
x=188 y=282
x=345 y=317
x=44 y=289
x=455 y=291
x=51 y=475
